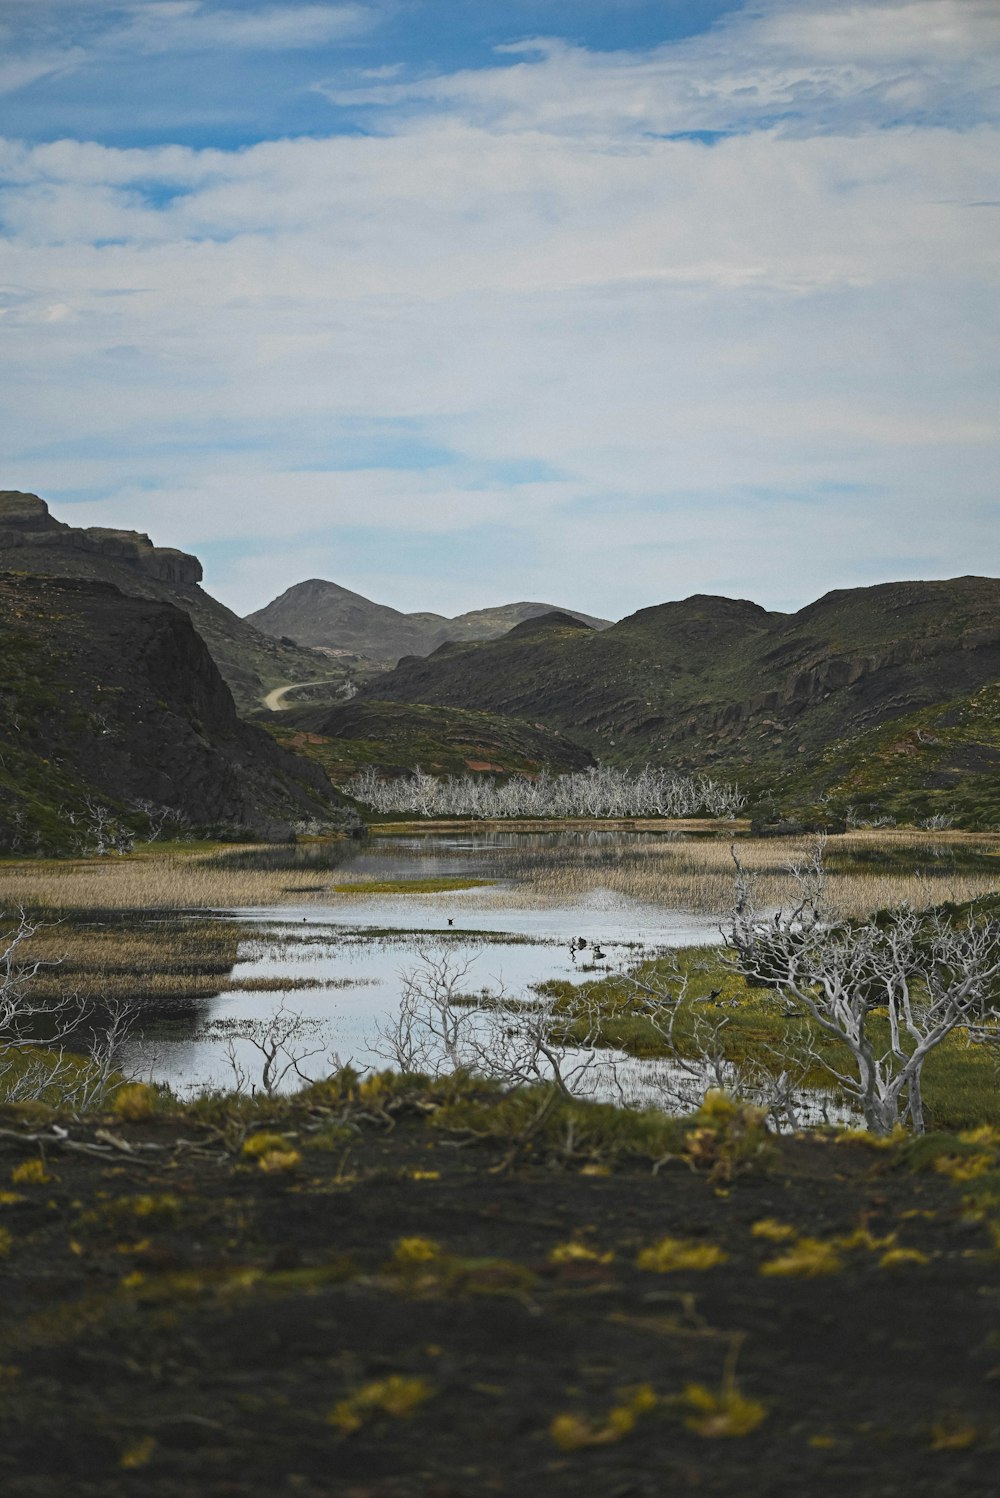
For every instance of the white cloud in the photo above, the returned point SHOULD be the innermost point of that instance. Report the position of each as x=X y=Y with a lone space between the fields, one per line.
x=19 y=72
x=805 y=64
x=713 y=368
x=189 y=25
x=57 y=38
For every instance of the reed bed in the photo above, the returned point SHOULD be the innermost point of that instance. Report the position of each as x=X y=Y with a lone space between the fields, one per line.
x=867 y=870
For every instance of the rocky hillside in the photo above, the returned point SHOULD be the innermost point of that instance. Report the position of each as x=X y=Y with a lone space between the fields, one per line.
x=782 y=701
x=112 y=710
x=323 y=614
x=32 y=540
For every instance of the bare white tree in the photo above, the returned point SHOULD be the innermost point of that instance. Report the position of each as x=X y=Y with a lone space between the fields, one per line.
x=265 y=1054
x=601 y=791
x=35 y=1059
x=883 y=992
x=441 y=1028
x=103 y=830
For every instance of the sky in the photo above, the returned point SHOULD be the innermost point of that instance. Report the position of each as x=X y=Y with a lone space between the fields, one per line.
x=456 y=302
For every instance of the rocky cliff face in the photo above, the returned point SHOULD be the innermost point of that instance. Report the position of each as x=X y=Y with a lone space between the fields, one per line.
x=25 y=522
x=32 y=540
x=117 y=698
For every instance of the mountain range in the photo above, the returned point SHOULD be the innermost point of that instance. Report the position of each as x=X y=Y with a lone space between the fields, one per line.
x=325 y=615
x=891 y=691
x=882 y=700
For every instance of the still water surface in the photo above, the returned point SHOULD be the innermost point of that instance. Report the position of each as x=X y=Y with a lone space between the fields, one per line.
x=358 y=946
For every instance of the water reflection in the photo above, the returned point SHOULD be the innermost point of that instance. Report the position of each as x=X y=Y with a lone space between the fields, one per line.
x=354 y=950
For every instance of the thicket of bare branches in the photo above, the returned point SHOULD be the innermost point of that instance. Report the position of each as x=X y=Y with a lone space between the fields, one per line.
x=882 y=993
x=598 y=792
x=441 y=1028
x=268 y=1053
x=59 y=1050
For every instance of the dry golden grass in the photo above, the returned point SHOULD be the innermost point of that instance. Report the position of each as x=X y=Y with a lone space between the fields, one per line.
x=868 y=870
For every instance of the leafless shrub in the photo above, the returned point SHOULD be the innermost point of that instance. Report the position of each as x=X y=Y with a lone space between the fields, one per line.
x=266 y=1054
x=882 y=992
x=35 y=1059
x=439 y=1029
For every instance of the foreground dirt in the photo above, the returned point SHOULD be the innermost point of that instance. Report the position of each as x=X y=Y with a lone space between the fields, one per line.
x=356 y=1295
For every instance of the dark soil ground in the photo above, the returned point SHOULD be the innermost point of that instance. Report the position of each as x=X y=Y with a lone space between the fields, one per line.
x=412 y=1291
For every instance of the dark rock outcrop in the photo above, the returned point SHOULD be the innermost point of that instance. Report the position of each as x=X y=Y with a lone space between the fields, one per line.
x=25 y=522
x=118 y=697
x=32 y=540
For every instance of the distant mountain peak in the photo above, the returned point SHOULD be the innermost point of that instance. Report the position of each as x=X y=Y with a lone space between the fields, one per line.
x=323 y=614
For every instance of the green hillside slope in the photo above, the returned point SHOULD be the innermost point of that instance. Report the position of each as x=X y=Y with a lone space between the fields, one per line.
x=397 y=736
x=719 y=684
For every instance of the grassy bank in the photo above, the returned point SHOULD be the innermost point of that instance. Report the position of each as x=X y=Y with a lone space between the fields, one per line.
x=750 y=1030
x=867 y=870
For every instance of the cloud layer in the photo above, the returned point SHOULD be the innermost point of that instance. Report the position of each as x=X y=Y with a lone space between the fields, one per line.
x=604 y=327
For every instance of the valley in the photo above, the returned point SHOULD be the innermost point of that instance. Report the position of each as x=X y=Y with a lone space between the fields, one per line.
x=637 y=983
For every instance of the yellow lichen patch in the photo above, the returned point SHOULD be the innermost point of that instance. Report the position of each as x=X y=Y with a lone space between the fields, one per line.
x=578 y=1253
x=901 y=1258
x=592 y=1168
x=964 y=1167
x=30 y=1173
x=571 y=1432
x=728 y=1413
x=11 y=1198
x=256 y=1145
x=6 y=1243
x=274 y=1162
x=773 y=1230
x=139 y=1454
x=728 y=1138
x=952 y=1435
x=162 y=1205
x=375 y=1087
x=396 y=1395
x=416 y=1251
x=806 y=1257
x=821 y=1443
x=870 y=1141
x=135 y=1102
x=718 y=1107
x=425 y=1175
x=986 y=1134
x=672 y=1254
x=863 y=1238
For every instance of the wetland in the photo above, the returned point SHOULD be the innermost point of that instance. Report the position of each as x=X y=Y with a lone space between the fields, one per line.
x=207 y=943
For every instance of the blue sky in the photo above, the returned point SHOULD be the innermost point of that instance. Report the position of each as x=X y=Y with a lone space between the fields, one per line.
x=456 y=303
